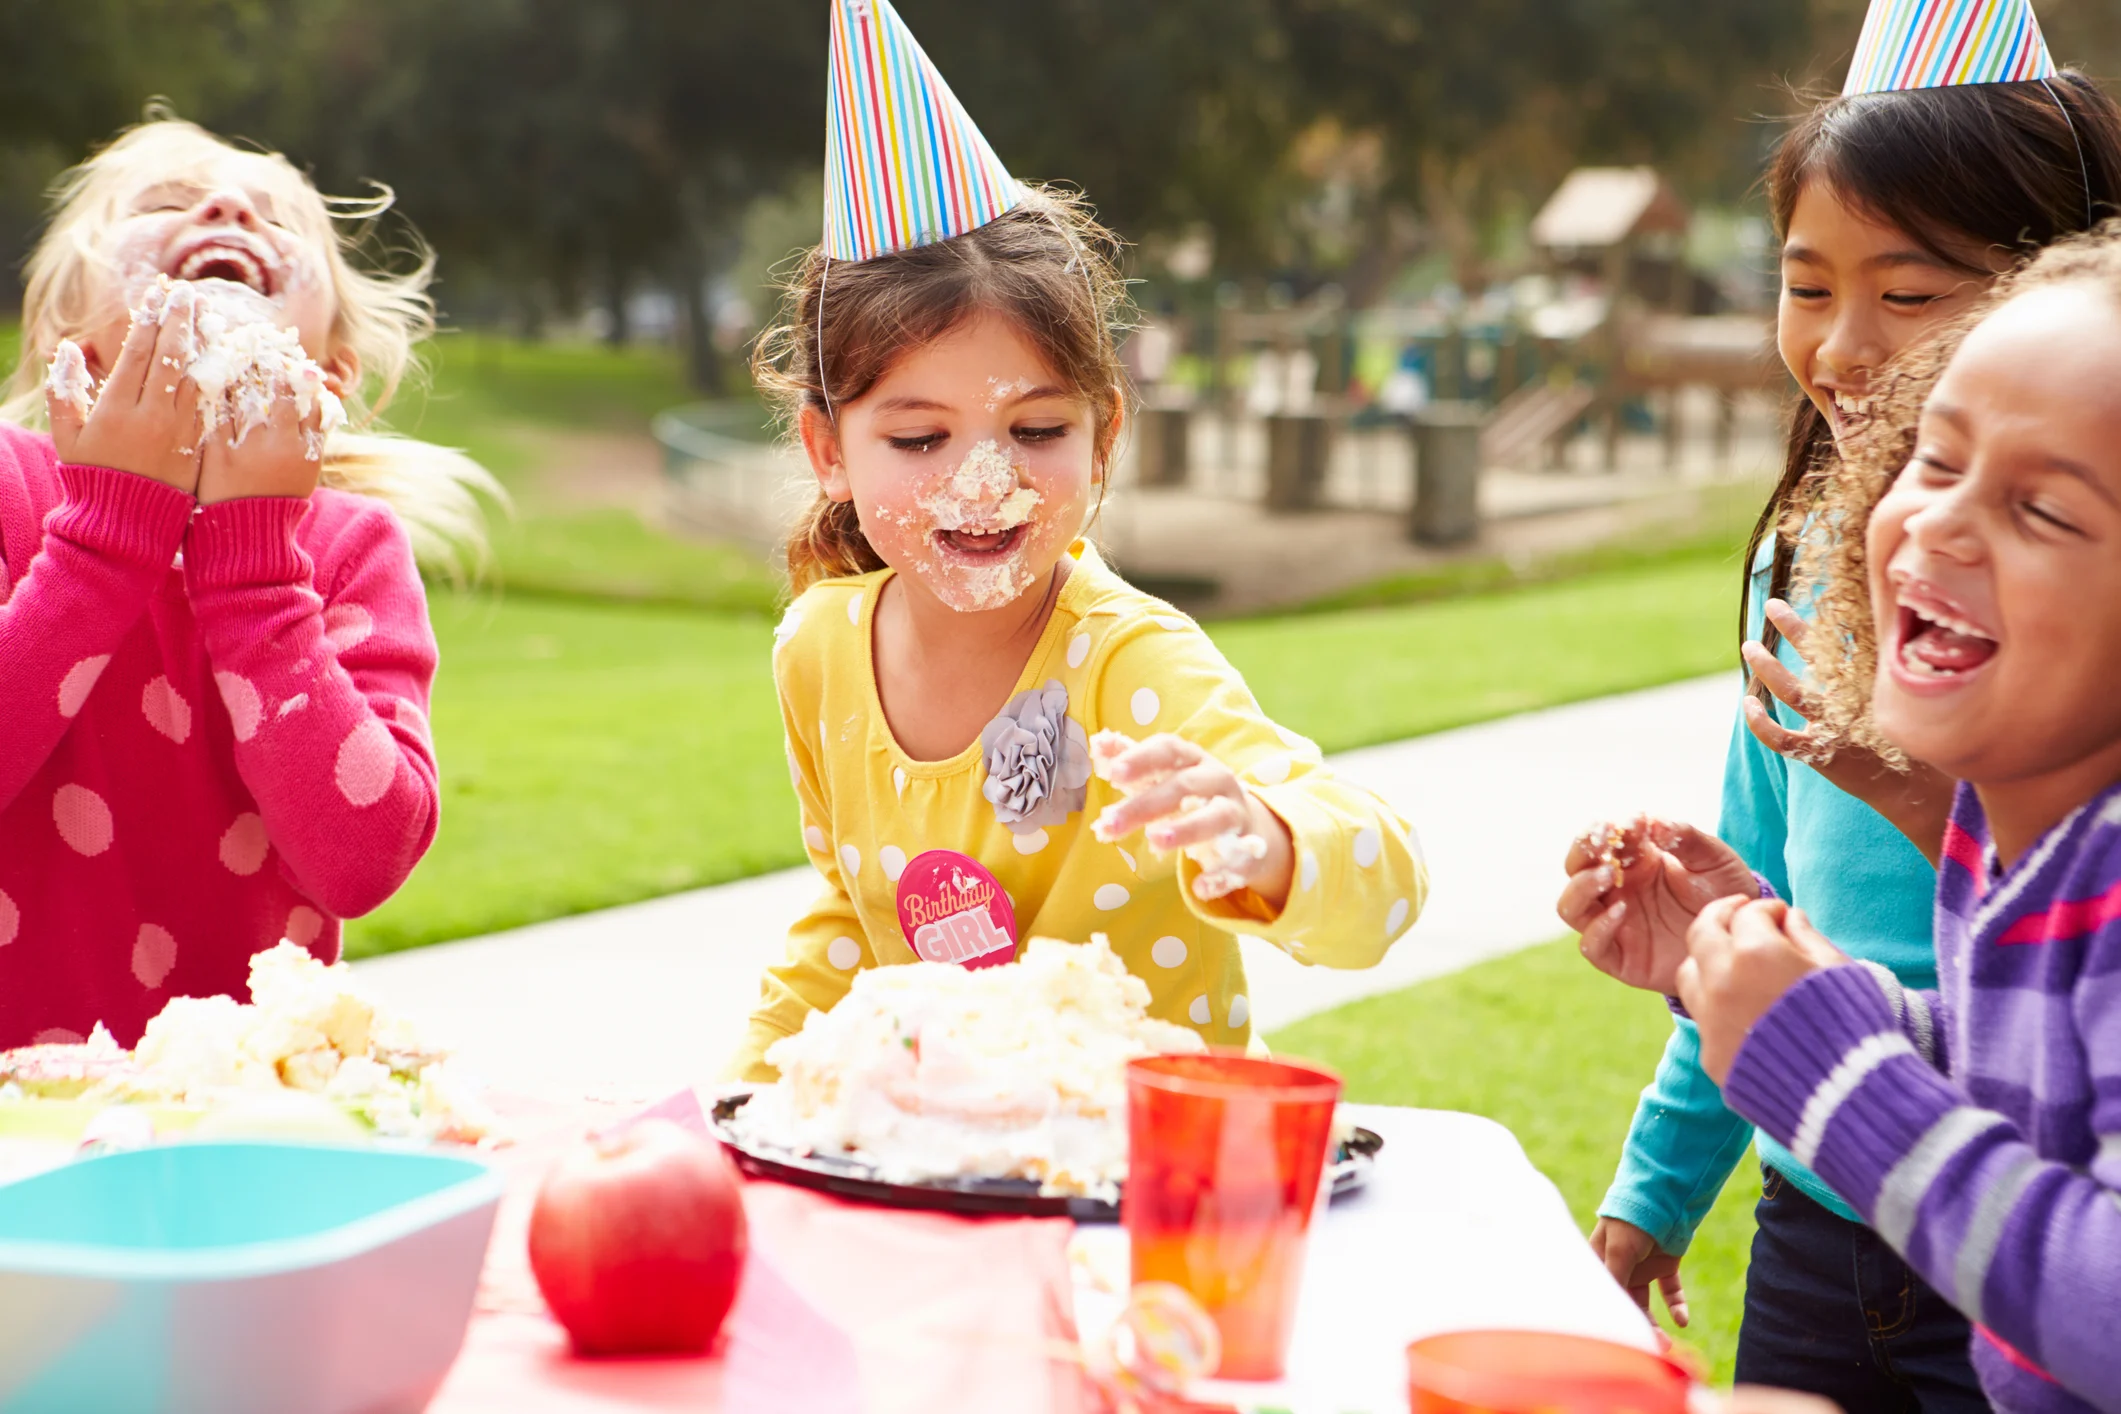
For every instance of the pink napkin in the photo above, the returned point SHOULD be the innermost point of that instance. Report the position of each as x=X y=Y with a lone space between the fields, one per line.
x=842 y=1308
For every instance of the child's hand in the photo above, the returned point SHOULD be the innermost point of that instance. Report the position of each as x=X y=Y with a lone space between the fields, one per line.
x=1743 y=954
x=1918 y=801
x=1186 y=799
x=276 y=458
x=144 y=418
x=1634 y=889
x=1638 y=1263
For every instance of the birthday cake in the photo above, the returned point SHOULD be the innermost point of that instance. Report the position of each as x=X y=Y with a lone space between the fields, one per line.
x=931 y=1070
x=307 y=1031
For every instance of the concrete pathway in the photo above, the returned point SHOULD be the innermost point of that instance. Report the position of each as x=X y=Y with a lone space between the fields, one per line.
x=633 y=1001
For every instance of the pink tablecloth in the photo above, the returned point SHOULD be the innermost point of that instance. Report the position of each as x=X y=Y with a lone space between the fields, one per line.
x=842 y=1308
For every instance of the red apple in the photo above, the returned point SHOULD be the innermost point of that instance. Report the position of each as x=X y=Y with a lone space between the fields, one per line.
x=637 y=1241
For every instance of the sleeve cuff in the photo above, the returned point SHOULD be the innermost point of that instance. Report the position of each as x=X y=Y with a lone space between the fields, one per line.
x=1803 y=1040
x=133 y=518
x=1671 y=1237
x=250 y=541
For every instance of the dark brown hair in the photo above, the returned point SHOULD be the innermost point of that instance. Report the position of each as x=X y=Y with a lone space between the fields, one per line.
x=1967 y=170
x=1046 y=266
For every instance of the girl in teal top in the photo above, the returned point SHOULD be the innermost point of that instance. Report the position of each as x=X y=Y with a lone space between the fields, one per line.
x=1896 y=210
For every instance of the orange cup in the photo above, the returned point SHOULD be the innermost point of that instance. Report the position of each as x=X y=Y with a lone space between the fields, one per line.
x=1224 y=1157
x=1535 y=1372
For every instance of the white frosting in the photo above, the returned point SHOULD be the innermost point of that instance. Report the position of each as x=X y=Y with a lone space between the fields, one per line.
x=68 y=381
x=933 y=1070
x=308 y=1027
x=243 y=362
x=1225 y=860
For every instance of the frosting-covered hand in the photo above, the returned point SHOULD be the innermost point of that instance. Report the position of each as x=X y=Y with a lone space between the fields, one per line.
x=1185 y=799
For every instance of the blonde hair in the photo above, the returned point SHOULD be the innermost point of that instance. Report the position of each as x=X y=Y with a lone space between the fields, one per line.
x=379 y=316
x=1047 y=266
x=1833 y=566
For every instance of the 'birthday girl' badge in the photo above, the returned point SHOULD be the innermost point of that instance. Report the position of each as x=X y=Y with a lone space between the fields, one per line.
x=952 y=910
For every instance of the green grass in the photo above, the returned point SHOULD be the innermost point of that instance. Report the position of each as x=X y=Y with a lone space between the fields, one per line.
x=610 y=554
x=594 y=754
x=1542 y=1044
x=1357 y=677
x=591 y=756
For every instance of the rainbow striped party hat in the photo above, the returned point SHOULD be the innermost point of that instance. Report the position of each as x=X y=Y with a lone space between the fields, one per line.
x=904 y=166
x=1939 y=43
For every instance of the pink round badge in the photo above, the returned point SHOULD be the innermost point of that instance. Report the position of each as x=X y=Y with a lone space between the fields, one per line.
x=952 y=910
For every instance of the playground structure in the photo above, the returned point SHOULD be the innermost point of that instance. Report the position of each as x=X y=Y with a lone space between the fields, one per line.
x=1511 y=400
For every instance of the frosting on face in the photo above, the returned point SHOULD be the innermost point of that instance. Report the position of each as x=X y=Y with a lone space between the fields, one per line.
x=971 y=531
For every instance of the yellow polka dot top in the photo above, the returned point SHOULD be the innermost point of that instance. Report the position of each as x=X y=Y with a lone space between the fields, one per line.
x=1127 y=662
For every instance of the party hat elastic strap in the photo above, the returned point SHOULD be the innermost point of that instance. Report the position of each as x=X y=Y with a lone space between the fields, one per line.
x=904 y=165
x=1940 y=43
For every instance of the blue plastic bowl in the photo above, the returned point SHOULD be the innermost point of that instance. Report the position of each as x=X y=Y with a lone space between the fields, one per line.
x=229 y=1278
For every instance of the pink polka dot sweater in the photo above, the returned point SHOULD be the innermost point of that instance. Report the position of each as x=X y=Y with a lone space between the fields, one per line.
x=216 y=735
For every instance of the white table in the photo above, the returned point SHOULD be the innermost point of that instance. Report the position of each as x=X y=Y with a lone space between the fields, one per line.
x=1456 y=1230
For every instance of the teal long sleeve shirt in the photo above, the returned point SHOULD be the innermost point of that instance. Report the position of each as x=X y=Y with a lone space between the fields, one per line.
x=1863 y=885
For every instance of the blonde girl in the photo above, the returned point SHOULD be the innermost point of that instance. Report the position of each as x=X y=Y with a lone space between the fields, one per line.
x=215 y=657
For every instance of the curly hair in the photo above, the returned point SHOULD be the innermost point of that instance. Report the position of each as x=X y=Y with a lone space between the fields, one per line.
x=1832 y=565
x=1047 y=266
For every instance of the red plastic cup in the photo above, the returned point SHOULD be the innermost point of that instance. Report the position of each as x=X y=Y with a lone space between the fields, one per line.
x=1537 y=1372
x=1224 y=1157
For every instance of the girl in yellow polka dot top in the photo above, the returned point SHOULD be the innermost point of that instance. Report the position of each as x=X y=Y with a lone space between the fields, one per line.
x=955 y=645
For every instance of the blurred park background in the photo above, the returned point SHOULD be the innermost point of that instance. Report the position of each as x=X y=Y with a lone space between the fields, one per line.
x=1457 y=391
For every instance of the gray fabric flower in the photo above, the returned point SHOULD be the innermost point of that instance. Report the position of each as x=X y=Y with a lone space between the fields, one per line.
x=1038 y=760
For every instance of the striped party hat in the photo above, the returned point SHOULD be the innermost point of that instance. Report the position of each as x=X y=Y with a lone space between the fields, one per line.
x=1939 y=43
x=904 y=166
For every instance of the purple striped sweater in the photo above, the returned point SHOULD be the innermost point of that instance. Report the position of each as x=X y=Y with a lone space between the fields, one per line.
x=1978 y=1128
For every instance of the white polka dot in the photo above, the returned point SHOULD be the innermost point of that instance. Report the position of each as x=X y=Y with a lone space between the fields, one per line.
x=785 y=629
x=1168 y=952
x=303 y=925
x=1110 y=896
x=80 y=678
x=844 y=953
x=815 y=838
x=1146 y=705
x=1307 y=872
x=347 y=625
x=367 y=764
x=154 y=954
x=1170 y=621
x=1130 y=860
x=10 y=920
x=850 y=859
x=1240 y=1010
x=1078 y=649
x=1289 y=738
x=893 y=861
x=795 y=772
x=898 y=779
x=83 y=819
x=57 y=1036
x=1367 y=843
x=243 y=845
x=165 y=709
x=1200 y=1011
x=241 y=700
x=854 y=611
x=1396 y=920
x=405 y=712
x=300 y=700
x=1271 y=771
x=821 y=732
x=1031 y=843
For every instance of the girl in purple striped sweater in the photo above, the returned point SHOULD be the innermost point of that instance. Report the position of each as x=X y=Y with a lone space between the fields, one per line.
x=1977 y=1128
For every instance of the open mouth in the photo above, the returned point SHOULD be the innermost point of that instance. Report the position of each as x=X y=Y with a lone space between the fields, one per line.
x=218 y=260
x=1932 y=644
x=988 y=545
x=1848 y=412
